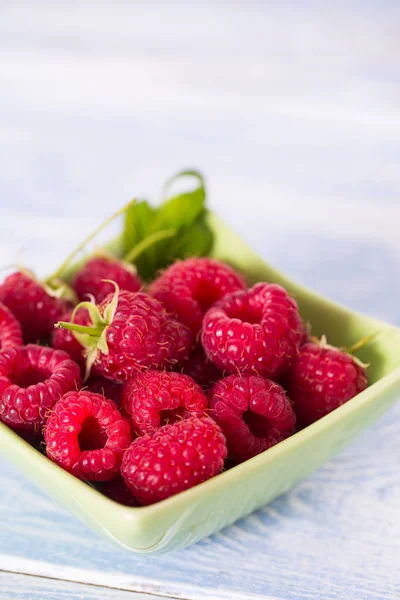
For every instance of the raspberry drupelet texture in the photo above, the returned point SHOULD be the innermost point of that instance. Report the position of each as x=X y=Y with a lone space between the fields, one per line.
x=158 y=398
x=62 y=339
x=32 y=380
x=189 y=288
x=90 y=279
x=200 y=368
x=254 y=331
x=32 y=306
x=254 y=414
x=10 y=329
x=86 y=435
x=173 y=459
x=321 y=379
x=141 y=336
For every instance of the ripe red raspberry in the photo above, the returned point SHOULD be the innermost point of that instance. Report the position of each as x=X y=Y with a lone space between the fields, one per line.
x=131 y=333
x=86 y=435
x=254 y=414
x=32 y=305
x=117 y=490
x=321 y=379
x=10 y=329
x=305 y=333
x=90 y=279
x=200 y=368
x=110 y=389
x=254 y=331
x=62 y=339
x=32 y=379
x=173 y=459
x=157 y=398
x=189 y=288
x=141 y=336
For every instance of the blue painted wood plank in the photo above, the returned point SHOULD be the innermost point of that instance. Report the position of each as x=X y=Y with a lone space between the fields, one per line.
x=22 y=587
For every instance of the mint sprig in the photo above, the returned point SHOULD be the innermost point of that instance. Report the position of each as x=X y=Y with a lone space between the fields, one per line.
x=184 y=213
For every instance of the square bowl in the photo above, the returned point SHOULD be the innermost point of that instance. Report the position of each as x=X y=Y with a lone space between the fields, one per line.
x=196 y=513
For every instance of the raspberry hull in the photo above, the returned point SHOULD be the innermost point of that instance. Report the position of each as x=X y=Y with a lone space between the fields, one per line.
x=32 y=379
x=173 y=459
x=322 y=379
x=254 y=331
x=254 y=414
x=86 y=435
x=62 y=339
x=157 y=398
x=189 y=288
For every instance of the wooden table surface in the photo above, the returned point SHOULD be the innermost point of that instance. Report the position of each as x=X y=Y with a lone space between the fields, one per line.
x=293 y=113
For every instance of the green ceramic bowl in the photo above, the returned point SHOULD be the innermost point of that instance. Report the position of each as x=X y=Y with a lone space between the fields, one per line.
x=197 y=513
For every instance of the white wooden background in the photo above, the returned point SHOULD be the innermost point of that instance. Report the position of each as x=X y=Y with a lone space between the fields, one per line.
x=292 y=110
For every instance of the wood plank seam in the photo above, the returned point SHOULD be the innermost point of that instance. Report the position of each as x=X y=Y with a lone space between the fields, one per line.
x=152 y=587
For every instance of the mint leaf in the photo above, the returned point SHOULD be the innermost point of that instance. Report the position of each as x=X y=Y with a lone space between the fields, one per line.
x=182 y=214
x=139 y=224
x=139 y=221
x=183 y=209
x=196 y=240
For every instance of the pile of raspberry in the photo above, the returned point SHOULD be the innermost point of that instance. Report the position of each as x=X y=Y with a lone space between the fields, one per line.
x=147 y=392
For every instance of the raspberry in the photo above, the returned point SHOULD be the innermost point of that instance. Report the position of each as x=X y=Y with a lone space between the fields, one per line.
x=305 y=333
x=141 y=336
x=86 y=436
x=256 y=331
x=32 y=379
x=200 y=368
x=10 y=329
x=321 y=379
x=157 y=398
x=117 y=490
x=173 y=459
x=254 y=414
x=189 y=288
x=131 y=333
x=90 y=279
x=110 y=389
x=34 y=308
x=62 y=339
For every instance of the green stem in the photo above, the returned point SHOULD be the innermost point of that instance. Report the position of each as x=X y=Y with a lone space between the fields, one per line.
x=361 y=343
x=82 y=245
x=185 y=173
x=93 y=331
x=149 y=241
